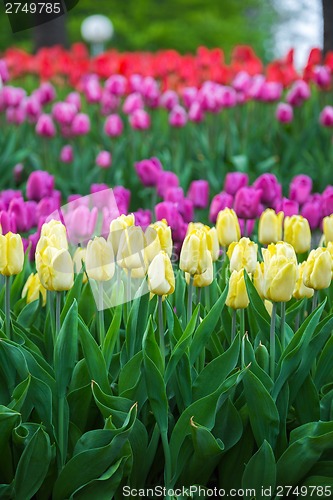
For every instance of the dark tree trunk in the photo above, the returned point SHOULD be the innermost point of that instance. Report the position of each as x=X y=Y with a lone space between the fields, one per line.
x=328 y=24
x=51 y=33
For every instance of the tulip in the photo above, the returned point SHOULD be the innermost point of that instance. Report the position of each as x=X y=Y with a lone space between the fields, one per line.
x=17 y=172
x=300 y=188
x=297 y=232
x=149 y=171
x=195 y=256
x=284 y=113
x=67 y=154
x=113 y=126
x=227 y=227
x=117 y=227
x=258 y=279
x=270 y=227
x=158 y=237
x=247 y=202
x=235 y=181
x=195 y=113
x=288 y=207
x=54 y=267
x=161 y=279
x=104 y=159
x=80 y=124
x=169 y=99
x=322 y=76
x=317 y=272
x=211 y=237
x=74 y=98
x=328 y=228
x=301 y=291
x=175 y=195
x=243 y=255
x=312 y=211
x=204 y=279
x=11 y=254
x=178 y=117
x=142 y=218
x=327 y=201
x=139 y=120
x=64 y=112
x=40 y=185
x=237 y=297
x=79 y=259
x=99 y=259
x=198 y=193
x=54 y=234
x=131 y=252
x=187 y=210
x=45 y=126
x=165 y=181
x=219 y=202
x=270 y=189
x=326 y=117
x=280 y=274
x=33 y=288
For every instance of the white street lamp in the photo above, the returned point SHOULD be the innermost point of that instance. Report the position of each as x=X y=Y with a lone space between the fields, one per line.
x=97 y=30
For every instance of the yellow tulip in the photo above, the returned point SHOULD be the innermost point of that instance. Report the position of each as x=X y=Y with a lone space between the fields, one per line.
x=317 y=272
x=280 y=274
x=158 y=237
x=55 y=268
x=56 y=234
x=227 y=227
x=99 y=261
x=328 y=229
x=117 y=227
x=301 y=291
x=131 y=252
x=297 y=232
x=203 y=279
x=79 y=257
x=33 y=288
x=270 y=227
x=11 y=254
x=280 y=249
x=211 y=236
x=195 y=256
x=258 y=279
x=161 y=278
x=243 y=255
x=237 y=294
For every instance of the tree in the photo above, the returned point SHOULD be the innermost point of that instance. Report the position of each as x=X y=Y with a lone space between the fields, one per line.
x=328 y=24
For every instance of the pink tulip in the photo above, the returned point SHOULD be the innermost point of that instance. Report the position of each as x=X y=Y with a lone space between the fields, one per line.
x=17 y=172
x=104 y=159
x=80 y=124
x=133 y=102
x=40 y=184
x=16 y=115
x=46 y=92
x=12 y=96
x=123 y=198
x=113 y=126
x=116 y=85
x=148 y=171
x=7 y=222
x=4 y=74
x=326 y=117
x=189 y=96
x=109 y=103
x=64 y=112
x=284 y=113
x=67 y=154
x=93 y=91
x=312 y=211
x=81 y=223
x=195 y=113
x=271 y=91
x=322 y=76
x=178 y=117
x=270 y=187
x=33 y=108
x=198 y=193
x=175 y=195
x=234 y=181
x=241 y=82
x=186 y=209
x=219 y=202
x=142 y=218
x=45 y=126
x=300 y=188
x=247 y=202
x=74 y=98
x=165 y=181
x=288 y=207
x=169 y=99
x=327 y=201
x=139 y=120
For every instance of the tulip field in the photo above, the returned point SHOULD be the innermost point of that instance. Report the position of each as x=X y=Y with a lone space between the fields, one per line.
x=166 y=259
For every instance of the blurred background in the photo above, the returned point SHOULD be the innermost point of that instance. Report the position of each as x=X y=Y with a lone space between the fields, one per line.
x=271 y=27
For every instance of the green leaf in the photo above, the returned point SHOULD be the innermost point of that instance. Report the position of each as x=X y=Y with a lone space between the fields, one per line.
x=33 y=465
x=27 y=316
x=8 y=421
x=263 y=413
x=111 y=336
x=260 y=471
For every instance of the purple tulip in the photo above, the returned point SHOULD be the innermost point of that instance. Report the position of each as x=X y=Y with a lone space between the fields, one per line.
x=219 y=202
x=7 y=222
x=139 y=120
x=270 y=187
x=116 y=85
x=17 y=172
x=67 y=154
x=40 y=184
x=234 y=181
x=165 y=181
x=4 y=74
x=327 y=201
x=33 y=240
x=288 y=207
x=123 y=198
x=195 y=113
x=80 y=124
x=326 y=117
x=46 y=207
x=312 y=211
x=8 y=195
x=199 y=193
x=142 y=218
x=284 y=113
x=187 y=210
x=104 y=159
x=17 y=209
x=247 y=202
x=175 y=195
x=246 y=226
x=109 y=103
x=300 y=188
x=168 y=211
x=113 y=126
x=149 y=171
x=45 y=126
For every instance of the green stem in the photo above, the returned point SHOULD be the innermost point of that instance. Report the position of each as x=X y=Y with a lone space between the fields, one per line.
x=61 y=436
x=161 y=328
x=57 y=317
x=233 y=325
x=242 y=322
x=244 y=337
x=167 y=458
x=314 y=300
x=283 y=325
x=101 y=330
x=7 y=306
x=50 y=304
x=189 y=299
x=272 y=343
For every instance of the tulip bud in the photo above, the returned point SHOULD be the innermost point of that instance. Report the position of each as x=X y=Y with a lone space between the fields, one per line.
x=297 y=232
x=11 y=254
x=328 y=228
x=317 y=272
x=280 y=274
x=227 y=227
x=54 y=267
x=194 y=255
x=158 y=237
x=270 y=227
x=161 y=278
x=100 y=259
x=262 y=357
x=301 y=291
x=203 y=279
x=211 y=237
x=243 y=255
x=117 y=227
x=33 y=288
x=237 y=297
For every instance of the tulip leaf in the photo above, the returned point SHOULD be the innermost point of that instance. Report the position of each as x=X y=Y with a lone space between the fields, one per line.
x=307 y=402
x=260 y=471
x=111 y=336
x=256 y=303
x=27 y=316
x=136 y=324
x=228 y=426
x=8 y=421
x=324 y=369
x=115 y=406
x=73 y=295
x=33 y=465
x=264 y=417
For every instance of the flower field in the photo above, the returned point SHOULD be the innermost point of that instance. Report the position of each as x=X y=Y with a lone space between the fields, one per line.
x=166 y=258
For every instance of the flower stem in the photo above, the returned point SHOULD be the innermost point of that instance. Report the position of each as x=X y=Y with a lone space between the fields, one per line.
x=7 y=306
x=167 y=458
x=283 y=325
x=161 y=328
x=233 y=325
x=272 y=343
x=57 y=316
x=189 y=299
x=61 y=437
x=101 y=331
x=314 y=300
